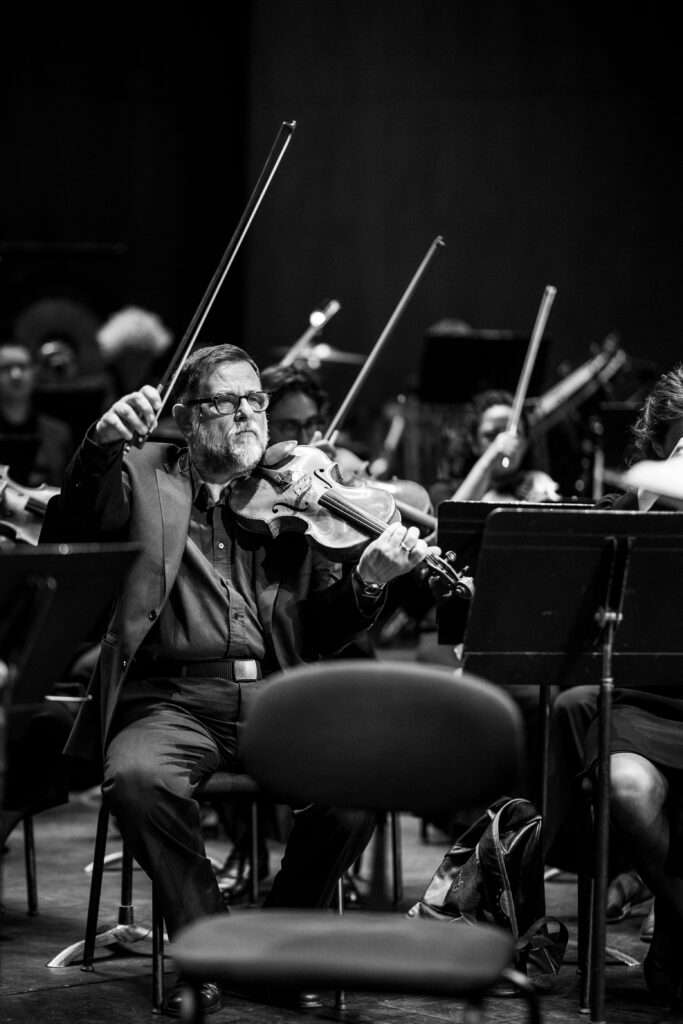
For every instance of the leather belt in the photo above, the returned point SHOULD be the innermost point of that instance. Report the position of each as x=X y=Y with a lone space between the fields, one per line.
x=236 y=670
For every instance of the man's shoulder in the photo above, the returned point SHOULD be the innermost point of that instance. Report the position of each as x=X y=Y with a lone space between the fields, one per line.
x=156 y=455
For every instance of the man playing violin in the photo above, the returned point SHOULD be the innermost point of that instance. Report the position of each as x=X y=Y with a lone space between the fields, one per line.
x=498 y=468
x=207 y=611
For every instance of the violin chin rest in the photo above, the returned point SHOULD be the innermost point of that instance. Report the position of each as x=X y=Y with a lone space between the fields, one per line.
x=278 y=453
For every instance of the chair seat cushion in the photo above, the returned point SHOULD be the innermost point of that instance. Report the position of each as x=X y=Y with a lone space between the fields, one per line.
x=362 y=951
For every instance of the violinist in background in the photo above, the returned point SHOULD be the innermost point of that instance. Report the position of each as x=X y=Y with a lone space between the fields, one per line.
x=299 y=410
x=210 y=609
x=298 y=406
x=498 y=469
x=498 y=461
x=34 y=447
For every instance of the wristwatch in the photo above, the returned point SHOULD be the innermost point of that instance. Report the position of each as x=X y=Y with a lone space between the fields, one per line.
x=368 y=589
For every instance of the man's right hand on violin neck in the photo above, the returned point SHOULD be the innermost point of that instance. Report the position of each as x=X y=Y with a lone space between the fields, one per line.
x=133 y=415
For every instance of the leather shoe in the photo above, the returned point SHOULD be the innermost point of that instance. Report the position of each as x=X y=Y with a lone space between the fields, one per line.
x=647 y=928
x=625 y=892
x=293 y=999
x=175 y=1001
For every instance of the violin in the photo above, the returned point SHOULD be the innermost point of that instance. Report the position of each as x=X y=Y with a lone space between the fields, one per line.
x=22 y=509
x=297 y=488
x=411 y=500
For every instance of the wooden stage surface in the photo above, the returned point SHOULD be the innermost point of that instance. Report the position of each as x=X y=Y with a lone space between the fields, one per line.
x=119 y=989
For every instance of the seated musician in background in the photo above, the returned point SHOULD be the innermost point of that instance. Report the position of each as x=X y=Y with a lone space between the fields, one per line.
x=207 y=610
x=646 y=763
x=35 y=447
x=299 y=411
x=498 y=468
x=498 y=462
x=298 y=404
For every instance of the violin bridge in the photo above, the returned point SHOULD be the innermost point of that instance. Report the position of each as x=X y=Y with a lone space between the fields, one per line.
x=300 y=489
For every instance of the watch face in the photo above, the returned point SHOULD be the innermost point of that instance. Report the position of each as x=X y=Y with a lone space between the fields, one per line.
x=373 y=588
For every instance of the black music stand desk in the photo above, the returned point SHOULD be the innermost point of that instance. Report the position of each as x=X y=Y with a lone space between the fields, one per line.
x=51 y=598
x=565 y=597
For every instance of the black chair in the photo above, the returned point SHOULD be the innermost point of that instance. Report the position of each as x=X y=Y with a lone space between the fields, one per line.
x=126 y=932
x=26 y=819
x=375 y=735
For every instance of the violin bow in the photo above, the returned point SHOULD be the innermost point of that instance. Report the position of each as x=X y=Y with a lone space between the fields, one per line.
x=333 y=428
x=547 y=299
x=188 y=341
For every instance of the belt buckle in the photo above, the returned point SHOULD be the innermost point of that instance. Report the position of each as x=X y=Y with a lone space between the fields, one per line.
x=244 y=669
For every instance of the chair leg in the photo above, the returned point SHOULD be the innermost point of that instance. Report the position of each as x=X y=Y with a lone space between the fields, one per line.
x=253 y=853
x=157 y=953
x=584 y=938
x=340 y=994
x=126 y=908
x=30 y=862
x=526 y=989
x=95 y=888
x=396 y=859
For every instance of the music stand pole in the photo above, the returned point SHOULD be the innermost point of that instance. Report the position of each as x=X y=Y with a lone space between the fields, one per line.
x=608 y=618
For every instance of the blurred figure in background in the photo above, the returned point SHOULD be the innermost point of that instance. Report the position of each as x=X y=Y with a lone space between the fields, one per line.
x=35 y=447
x=498 y=465
x=299 y=404
x=132 y=343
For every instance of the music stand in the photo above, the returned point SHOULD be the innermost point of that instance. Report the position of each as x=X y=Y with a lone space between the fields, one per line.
x=51 y=597
x=564 y=597
x=457 y=361
x=461 y=530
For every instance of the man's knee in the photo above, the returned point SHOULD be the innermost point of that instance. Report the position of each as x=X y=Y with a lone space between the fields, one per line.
x=637 y=789
x=141 y=786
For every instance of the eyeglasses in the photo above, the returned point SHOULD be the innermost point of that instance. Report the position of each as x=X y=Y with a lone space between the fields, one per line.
x=294 y=427
x=227 y=402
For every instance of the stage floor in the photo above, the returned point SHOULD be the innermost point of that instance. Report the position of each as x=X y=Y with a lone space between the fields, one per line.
x=119 y=989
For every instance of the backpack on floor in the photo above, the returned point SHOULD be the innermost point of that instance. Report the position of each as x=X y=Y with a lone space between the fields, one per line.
x=494 y=873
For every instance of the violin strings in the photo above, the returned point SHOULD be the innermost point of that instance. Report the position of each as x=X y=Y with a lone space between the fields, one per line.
x=357 y=516
x=337 y=503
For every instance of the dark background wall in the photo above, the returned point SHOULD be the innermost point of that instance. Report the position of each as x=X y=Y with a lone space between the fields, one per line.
x=541 y=140
x=123 y=159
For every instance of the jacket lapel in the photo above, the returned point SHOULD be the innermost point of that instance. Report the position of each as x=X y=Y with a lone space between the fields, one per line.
x=175 y=498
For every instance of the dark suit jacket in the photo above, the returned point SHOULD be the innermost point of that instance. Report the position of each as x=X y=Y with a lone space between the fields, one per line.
x=306 y=604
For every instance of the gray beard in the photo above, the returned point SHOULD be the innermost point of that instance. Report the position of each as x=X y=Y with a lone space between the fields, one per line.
x=213 y=458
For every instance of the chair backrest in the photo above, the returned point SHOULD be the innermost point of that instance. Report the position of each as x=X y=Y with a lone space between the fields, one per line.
x=383 y=735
